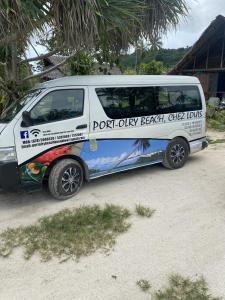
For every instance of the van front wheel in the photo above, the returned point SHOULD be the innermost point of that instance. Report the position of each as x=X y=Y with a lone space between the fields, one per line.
x=176 y=154
x=65 y=179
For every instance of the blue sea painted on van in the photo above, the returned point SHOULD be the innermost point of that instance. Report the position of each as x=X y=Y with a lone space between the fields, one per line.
x=116 y=155
x=101 y=156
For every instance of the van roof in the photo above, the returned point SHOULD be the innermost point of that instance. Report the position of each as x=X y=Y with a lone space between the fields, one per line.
x=111 y=80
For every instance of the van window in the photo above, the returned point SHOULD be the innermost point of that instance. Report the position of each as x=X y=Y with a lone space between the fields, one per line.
x=127 y=102
x=173 y=99
x=131 y=102
x=58 y=105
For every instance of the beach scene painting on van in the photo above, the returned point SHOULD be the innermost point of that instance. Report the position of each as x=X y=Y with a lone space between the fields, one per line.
x=109 y=156
x=122 y=154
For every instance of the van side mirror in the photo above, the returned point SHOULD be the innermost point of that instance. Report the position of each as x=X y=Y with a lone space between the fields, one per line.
x=26 y=119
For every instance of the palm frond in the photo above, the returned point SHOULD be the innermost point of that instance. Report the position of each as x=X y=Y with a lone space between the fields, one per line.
x=92 y=22
x=142 y=144
x=89 y=24
x=19 y=18
x=161 y=15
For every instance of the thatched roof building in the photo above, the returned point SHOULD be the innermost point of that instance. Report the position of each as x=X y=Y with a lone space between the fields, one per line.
x=52 y=61
x=64 y=70
x=206 y=59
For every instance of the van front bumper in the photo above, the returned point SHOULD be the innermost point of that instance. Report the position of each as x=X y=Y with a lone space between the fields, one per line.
x=198 y=145
x=9 y=176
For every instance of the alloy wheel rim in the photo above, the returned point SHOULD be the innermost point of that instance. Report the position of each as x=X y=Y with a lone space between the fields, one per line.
x=71 y=180
x=177 y=153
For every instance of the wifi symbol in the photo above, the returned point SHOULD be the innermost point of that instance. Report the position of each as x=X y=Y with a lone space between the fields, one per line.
x=35 y=132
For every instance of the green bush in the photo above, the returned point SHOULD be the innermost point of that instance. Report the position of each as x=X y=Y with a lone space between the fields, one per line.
x=129 y=71
x=82 y=64
x=144 y=211
x=152 y=68
x=215 y=119
x=181 y=288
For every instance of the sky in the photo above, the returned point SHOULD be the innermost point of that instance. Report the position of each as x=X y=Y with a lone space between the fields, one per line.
x=201 y=13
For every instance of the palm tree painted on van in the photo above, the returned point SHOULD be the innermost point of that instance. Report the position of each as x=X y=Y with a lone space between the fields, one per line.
x=139 y=145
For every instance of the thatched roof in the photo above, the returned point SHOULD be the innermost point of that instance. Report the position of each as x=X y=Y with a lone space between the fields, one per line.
x=211 y=33
x=53 y=61
x=101 y=69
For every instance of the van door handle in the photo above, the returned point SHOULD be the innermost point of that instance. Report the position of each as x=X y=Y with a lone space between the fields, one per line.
x=83 y=126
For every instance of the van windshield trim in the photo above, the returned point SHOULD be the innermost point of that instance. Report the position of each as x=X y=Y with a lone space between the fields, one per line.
x=10 y=112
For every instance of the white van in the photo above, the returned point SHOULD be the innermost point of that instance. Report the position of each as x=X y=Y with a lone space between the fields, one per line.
x=74 y=129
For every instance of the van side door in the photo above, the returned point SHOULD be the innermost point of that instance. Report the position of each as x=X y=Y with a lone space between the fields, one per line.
x=119 y=140
x=60 y=117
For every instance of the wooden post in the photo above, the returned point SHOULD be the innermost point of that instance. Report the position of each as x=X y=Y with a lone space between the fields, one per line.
x=222 y=54
x=194 y=62
x=207 y=58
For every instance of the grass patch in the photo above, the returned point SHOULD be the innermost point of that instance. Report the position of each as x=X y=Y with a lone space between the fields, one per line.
x=181 y=288
x=218 y=141
x=144 y=211
x=217 y=125
x=144 y=285
x=69 y=233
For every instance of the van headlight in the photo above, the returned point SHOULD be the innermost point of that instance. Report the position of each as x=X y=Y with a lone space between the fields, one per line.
x=8 y=154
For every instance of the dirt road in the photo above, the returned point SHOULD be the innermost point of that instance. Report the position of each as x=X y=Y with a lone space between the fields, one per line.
x=186 y=235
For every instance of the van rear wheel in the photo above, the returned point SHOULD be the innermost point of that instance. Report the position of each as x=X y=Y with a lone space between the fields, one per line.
x=65 y=179
x=176 y=154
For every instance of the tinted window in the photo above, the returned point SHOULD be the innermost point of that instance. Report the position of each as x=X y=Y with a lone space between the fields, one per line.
x=58 y=105
x=128 y=102
x=131 y=102
x=177 y=99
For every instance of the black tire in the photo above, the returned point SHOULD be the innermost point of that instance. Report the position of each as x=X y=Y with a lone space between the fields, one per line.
x=65 y=179
x=176 y=154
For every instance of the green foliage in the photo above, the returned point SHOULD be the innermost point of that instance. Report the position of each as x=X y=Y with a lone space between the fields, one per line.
x=129 y=71
x=215 y=119
x=2 y=102
x=152 y=68
x=144 y=285
x=103 y=27
x=169 y=57
x=181 y=288
x=82 y=64
x=68 y=233
x=144 y=211
x=88 y=23
x=218 y=141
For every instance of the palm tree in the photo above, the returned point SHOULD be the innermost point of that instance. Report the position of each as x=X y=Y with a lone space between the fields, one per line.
x=139 y=145
x=156 y=43
x=141 y=51
x=113 y=25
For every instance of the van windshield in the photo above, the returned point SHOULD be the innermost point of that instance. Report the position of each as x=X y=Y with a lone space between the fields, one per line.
x=15 y=107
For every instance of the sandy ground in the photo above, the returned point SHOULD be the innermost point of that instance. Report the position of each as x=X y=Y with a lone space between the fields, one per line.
x=186 y=235
x=215 y=135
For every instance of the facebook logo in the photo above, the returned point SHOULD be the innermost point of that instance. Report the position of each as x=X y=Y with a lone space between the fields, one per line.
x=24 y=135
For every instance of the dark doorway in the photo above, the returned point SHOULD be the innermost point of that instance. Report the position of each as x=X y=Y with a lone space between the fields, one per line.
x=221 y=85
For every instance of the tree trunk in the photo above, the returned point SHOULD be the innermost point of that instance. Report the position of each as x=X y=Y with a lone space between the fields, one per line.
x=14 y=61
x=11 y=61
x=136 y=60
x=11 y=73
